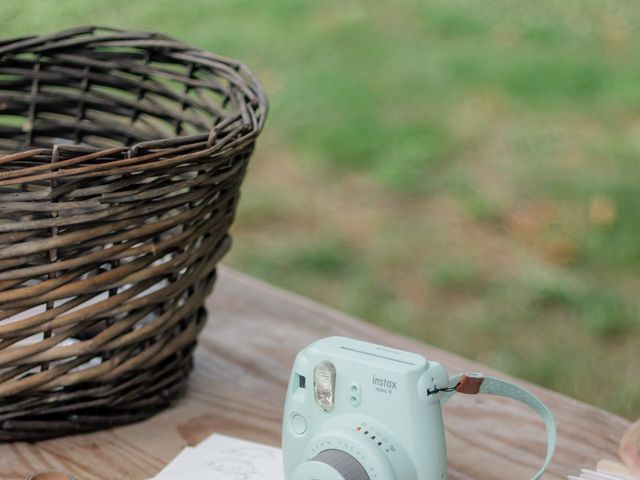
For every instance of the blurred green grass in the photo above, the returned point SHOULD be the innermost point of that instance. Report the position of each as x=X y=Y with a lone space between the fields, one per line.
x=463 y=172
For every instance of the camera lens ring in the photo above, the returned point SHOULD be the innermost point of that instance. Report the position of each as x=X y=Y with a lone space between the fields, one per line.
x=313 y=470
x=345 y=464
x=361 y=448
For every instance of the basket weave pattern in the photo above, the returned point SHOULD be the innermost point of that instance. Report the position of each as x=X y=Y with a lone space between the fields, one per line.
x=121 y=157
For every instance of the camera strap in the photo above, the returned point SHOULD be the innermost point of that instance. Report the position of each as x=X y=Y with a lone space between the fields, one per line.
x=474 y=383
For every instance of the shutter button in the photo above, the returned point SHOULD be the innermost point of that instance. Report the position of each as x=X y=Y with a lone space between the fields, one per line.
x=298 y=424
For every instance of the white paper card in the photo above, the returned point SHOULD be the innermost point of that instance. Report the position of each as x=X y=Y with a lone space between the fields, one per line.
x=607 y=470
x=225 y=458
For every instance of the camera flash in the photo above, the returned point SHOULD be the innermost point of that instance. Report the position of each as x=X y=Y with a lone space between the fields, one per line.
x=324 y=376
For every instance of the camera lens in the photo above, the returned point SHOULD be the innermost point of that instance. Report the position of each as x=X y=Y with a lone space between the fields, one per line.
x=331 y=464
x=343 y=463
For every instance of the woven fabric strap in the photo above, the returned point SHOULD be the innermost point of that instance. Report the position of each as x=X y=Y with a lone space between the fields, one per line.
x=502 y=388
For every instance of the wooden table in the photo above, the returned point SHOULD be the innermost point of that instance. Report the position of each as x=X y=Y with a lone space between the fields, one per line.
x=238 y=387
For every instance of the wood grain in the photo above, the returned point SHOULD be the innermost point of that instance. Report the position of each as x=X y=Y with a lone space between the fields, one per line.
x=242 y=366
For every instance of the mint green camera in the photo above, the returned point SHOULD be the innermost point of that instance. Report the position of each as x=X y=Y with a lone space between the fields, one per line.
x=358 y=411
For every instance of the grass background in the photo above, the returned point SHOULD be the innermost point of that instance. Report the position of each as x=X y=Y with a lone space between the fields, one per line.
x=462 y=172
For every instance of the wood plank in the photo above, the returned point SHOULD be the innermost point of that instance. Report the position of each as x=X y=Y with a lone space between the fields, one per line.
x=238 y=387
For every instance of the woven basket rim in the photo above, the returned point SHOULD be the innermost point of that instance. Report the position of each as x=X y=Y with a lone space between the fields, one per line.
x=92 y=35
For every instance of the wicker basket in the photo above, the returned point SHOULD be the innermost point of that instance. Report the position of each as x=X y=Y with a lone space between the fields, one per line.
x=121 y=156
